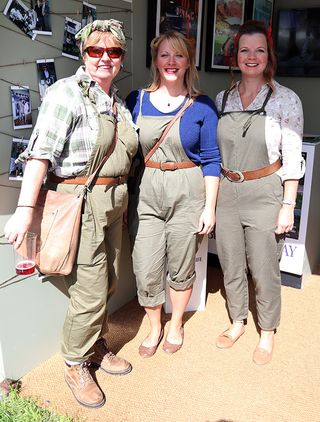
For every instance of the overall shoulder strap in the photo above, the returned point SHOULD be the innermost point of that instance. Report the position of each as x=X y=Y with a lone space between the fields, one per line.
x=270 y=91
x=91 y=178
x=167 y=128
x=224 y=101
x=140 y=100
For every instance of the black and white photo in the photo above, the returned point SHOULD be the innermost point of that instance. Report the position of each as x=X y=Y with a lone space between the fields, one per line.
x=70 y=48
x=21 y=107
x=22 y=16
x=42 y=9
x=16 y=168
x=89 y=13
x=46 y=75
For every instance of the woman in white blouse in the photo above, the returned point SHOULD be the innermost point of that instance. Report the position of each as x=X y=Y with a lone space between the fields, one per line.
x=260 y=138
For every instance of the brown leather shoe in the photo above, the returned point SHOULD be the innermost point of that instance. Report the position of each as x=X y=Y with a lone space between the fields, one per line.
x=148 y=352
x=107 y=361
x=225 y=341
x=83 y=387
x=171 y=347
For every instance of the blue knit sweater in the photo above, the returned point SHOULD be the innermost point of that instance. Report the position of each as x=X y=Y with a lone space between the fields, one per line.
x=198 y=127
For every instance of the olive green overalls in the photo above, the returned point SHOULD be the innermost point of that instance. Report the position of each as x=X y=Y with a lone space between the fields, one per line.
x=165 y=217
x=95 y=273
x=246 y=216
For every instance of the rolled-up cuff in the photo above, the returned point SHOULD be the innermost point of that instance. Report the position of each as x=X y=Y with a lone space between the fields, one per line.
x=182 y=285
x=152 y=301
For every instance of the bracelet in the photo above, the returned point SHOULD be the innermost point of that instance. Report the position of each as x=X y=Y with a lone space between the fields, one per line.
x=288 y=202
x=26 y=206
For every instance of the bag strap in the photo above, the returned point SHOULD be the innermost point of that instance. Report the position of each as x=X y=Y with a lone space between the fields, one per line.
x=91 y=178
x=166 y=130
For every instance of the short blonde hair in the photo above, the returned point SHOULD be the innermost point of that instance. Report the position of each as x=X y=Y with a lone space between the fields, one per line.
x=97 y=36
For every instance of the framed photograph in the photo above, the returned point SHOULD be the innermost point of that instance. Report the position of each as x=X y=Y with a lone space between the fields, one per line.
x=46 y=75
x=262 y=11
x=42 y=9
x=223 y=22
x=89 y=13
x=21 y=107
x=70 y=48
x=22 y=16
x=184 y=16
x=16 y=168
x=297 y=36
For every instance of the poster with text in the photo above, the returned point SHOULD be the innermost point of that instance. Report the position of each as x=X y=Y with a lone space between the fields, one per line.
x=21 y=107
x=70 y=48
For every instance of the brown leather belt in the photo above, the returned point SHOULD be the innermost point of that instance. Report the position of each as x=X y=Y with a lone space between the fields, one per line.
x=241 y=176
x=170 y=165
x=82 y=180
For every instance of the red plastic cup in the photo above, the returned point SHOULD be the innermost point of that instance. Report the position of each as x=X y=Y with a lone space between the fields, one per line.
x=25 y=255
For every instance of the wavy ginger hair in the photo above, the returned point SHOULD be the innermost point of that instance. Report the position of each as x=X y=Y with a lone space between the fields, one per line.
x=250 y=28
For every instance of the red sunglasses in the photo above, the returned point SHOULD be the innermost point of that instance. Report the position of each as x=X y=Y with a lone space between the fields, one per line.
x=98 y=52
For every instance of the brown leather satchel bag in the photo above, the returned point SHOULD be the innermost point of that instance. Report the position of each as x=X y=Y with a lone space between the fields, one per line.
x=56 y=221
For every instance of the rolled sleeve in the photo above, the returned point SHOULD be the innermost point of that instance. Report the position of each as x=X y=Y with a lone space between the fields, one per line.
x=291 y=139
x=53 y=126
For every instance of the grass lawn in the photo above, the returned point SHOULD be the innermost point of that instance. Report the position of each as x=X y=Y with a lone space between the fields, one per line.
x=15 y=408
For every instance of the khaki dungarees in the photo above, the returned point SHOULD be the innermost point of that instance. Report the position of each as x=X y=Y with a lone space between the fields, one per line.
x=96 y=271
x=246 y=216
x=167 y=207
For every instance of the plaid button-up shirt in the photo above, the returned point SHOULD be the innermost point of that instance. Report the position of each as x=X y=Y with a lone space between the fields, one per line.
x=67 y=126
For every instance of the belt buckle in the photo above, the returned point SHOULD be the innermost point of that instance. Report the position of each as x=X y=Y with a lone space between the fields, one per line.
x=239 y=173
x=162 y=163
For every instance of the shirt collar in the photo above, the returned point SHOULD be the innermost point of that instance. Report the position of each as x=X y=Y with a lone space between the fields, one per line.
x=91 y=88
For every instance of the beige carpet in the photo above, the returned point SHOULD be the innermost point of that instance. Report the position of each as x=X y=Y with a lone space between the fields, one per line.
x=202 y=383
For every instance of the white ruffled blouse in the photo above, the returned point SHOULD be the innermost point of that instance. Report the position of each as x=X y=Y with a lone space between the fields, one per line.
x=283 y=129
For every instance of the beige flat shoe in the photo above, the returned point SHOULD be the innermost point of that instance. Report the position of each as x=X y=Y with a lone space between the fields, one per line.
x=225 y=341
x=171 y=347
x=148 y=352
x=262 y=356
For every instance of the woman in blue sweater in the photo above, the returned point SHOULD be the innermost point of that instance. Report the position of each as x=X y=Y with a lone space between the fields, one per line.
x=173 y=205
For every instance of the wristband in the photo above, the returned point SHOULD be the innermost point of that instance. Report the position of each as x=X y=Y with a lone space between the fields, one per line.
x=26 y=206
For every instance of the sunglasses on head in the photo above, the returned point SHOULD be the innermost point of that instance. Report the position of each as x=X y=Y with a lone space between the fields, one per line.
x=98 y=52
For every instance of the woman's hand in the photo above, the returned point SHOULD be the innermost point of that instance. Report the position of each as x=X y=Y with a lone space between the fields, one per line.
x=208 y=216
x=207 y=221
x=285 y=219
x=18 y=225
x=20 y=222
x=286 y=214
